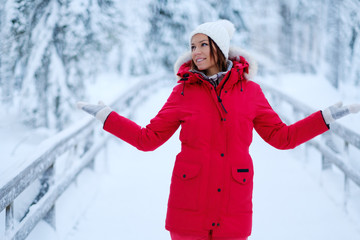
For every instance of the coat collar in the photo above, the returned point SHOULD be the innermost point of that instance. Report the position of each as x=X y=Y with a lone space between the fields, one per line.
x=183 y=63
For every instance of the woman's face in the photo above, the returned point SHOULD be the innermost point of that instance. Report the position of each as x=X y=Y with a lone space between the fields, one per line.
x=200 y=54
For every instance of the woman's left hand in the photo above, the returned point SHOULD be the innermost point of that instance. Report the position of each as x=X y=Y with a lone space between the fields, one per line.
x=336 y=111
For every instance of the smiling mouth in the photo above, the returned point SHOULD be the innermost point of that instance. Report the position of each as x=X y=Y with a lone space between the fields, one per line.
x=200 y=60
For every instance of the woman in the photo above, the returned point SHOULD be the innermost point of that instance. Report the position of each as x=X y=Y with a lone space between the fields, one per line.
x=217 y=107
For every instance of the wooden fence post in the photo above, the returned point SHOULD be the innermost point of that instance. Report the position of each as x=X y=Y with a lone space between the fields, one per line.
x=346 y=179
x=47 y=181
x=50 y=217
x=346 y=191
x=89 y=143
x=9 y=219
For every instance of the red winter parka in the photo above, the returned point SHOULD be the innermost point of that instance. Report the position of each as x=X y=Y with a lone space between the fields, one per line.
x=212 y=182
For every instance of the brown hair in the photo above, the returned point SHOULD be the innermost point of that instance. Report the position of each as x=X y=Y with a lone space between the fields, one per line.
x=221 y=60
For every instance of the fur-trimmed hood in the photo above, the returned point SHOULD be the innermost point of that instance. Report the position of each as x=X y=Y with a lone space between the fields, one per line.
x=234 y=54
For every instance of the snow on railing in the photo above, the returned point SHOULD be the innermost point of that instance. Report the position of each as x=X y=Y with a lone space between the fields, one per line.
x=82 y=142
x=330 y=144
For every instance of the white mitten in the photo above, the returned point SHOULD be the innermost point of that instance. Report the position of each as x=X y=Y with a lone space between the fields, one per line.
x=99 y=111
x=337 y=111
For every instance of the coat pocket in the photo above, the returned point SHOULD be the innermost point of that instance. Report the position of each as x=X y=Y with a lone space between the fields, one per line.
x=241 y=175
x=241 y=186
x=185 y=185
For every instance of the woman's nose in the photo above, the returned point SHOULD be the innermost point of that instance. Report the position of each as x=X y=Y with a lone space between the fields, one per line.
x=196 y=51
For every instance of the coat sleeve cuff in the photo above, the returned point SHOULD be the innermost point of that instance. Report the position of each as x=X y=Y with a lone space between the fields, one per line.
x=328 y=125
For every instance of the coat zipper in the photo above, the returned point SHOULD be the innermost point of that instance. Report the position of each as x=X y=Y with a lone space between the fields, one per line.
x=219 y=96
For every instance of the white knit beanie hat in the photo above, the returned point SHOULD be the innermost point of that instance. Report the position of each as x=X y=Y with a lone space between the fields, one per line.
x=220 y=31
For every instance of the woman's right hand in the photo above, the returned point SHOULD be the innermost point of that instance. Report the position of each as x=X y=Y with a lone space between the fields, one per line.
x=99 y=111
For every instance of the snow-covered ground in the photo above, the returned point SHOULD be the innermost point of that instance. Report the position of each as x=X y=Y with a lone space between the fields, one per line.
x=126 y=196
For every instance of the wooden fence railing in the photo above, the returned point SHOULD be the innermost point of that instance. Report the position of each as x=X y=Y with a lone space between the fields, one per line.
x=82 y=141
x=334 y=146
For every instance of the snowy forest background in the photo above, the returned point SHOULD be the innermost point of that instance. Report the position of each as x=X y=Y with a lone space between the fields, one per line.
x=51 y=50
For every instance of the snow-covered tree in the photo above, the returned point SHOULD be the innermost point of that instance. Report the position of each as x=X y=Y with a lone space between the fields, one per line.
x=50 y=50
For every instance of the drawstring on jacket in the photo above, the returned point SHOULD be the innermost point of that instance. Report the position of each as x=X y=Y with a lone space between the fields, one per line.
x=238 y=70
x=183 y=79
x=222 y=105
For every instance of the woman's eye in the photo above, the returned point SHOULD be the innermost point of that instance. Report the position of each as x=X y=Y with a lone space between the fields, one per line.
x=204 y=44
x=192 y=48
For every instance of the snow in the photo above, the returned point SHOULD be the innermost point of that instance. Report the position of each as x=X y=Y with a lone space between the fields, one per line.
x=17 y=142
x=126 y=197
